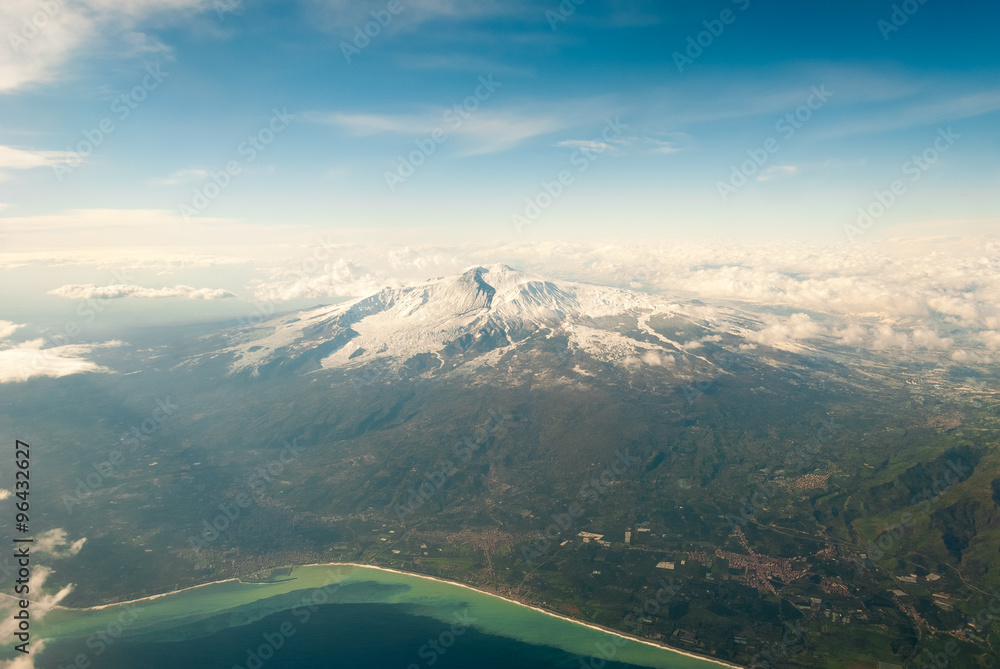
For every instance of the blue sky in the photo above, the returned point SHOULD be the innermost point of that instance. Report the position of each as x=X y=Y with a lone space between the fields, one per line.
x=169 y=160
x=227 y=67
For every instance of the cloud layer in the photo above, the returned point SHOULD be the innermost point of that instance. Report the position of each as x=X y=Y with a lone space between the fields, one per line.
x=29 y=359
x=341 y=278
x=116 y=292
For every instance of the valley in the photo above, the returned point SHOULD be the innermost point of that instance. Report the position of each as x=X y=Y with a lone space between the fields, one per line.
x=644 y=471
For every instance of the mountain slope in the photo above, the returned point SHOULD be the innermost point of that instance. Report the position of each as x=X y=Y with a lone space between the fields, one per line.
x=455 y=320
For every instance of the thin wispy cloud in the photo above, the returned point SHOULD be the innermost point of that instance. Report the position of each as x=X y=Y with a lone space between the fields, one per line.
x=117 y=292
x=918 y=112
x=666 y=148
x=97 y=219
x=477 y=127
x=462 y=62
x=46 y=37
x=337 y=15
x=584 y=144
x=13 y=159
x=180 y=177
x=480 y=133
x=775 y=171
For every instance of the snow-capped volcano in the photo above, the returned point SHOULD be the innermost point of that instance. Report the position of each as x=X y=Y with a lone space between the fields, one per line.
x=498 y=293
x=482 y=310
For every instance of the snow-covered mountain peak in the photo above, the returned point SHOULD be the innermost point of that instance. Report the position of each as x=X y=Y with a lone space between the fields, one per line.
x=484 y=308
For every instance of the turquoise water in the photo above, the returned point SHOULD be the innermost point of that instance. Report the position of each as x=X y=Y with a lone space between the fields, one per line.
x=335 y=616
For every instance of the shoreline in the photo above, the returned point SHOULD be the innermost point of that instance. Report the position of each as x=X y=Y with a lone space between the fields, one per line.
x=149 y=598
x=599 y=628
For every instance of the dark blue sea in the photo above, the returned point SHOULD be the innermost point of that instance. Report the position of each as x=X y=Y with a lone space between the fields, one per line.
x=341 y=636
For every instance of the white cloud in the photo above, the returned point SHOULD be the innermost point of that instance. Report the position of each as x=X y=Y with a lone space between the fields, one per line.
x=650 y=144
x=664 y=147
x=342 y=16
x=991 y=339
x=913 y=282
x=495 y=132
x=654 y=359
x=4 y=494
x=924 y=338
x=55 y=543
x=406 y=258
x=144 y=8
x=962 y=356
x=588 y=144
x=960 y=305
x=945 y=107
x=39 y=41
x=777 y=171
x=90 y=291
x=29 y=360
x=7 y=328
x=485 y=131
x=47 y=35
x=852 y=335
x=25 y=159
x=341 y=278
x=371 y=124
x=97 y=219
x=41 y=604
x=887 y=338
x=784 y=331
x=179 y=177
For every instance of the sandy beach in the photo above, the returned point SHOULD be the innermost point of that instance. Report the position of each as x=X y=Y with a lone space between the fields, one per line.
x=592 y=626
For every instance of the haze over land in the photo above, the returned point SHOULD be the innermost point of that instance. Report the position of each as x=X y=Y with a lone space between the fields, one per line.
x=558 y=442
x=683 y=320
